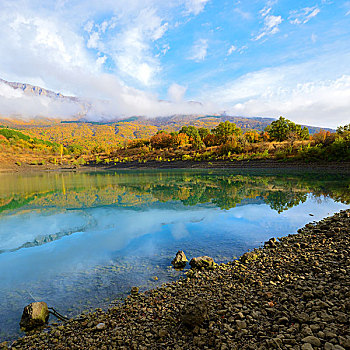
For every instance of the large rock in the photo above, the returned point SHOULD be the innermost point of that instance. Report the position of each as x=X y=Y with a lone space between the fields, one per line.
x=194 y=313
x=248 y=257
x=271 y=243
x=134 y=290
x=180 y=260
x=202 y=261
x=34 y=315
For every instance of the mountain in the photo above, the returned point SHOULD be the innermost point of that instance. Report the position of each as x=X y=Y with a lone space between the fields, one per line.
x=37 y=91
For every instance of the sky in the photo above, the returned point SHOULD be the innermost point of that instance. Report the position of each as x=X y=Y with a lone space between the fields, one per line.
x=261 y=58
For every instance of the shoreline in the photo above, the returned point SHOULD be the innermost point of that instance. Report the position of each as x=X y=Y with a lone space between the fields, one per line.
x=293 y=293
x=245 y=165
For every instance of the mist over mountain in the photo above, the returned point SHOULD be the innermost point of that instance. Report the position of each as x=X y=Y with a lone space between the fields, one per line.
x=26 y=101
x=79 y=110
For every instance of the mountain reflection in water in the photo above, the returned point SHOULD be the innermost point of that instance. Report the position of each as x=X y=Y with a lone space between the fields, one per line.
x=78 y=240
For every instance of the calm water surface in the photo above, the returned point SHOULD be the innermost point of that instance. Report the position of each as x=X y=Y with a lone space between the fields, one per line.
x=81 y=240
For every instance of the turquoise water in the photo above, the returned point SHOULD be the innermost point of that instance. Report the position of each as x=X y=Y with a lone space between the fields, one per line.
x=81 y=240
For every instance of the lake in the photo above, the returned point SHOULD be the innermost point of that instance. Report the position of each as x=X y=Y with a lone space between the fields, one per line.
x=81 y=240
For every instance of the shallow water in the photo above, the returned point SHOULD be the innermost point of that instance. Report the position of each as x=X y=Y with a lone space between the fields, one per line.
x=81 y=240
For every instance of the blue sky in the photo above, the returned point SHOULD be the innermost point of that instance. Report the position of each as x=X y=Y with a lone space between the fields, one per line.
x=249 y=58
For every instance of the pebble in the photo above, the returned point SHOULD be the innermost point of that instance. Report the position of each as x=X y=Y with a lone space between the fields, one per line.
x=307 y=346
x=312 y=340
x=101 y=326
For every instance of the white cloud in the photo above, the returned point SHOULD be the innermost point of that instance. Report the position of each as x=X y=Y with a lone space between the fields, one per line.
x=176 y=92
x=199 y=50
x=131 y=49
x=93 y=40
x=195 y=6
x=268 y=7
x=304 y=15
x=88 y=26
x=265 y=11
x=232 y=49
x=101 y=60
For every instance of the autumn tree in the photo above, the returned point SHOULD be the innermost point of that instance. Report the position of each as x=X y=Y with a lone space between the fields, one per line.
x=161 y=140
x=252 y=136
x=193 y=134
x=211 y=140
x=180 y=139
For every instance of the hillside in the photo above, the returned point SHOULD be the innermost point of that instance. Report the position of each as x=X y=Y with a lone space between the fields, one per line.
x=111 y=134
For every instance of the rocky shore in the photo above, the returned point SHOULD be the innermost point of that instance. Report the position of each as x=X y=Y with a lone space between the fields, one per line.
x=342 y=167
x=254 y=164
x=293 y=293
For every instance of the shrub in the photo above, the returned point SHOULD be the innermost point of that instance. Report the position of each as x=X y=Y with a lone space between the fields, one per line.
x=186 y=157
x=231 y=146
x=138 y=143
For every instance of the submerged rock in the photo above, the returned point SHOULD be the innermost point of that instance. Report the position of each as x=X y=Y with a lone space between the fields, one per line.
x=35 y=315
x=180 y=260
x=202 y=261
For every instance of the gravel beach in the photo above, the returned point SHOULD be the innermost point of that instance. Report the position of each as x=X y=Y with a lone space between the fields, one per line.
x=293 y=293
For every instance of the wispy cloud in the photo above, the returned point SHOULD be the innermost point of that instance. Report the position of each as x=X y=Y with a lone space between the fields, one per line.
x=271 y=24
x=195 y=6
x=304 y=15
x=244 y=14
x=199 y=50
x=232 y=49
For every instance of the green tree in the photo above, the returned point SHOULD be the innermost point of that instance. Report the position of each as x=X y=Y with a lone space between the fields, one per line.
x=191 y=131
x=342 y=129
x=282 y=129
x=203 y=132
x=278 y=129
x=225 y=129
x=344 y=132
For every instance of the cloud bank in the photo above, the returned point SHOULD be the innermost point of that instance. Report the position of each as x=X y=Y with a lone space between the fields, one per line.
x=300 y=92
